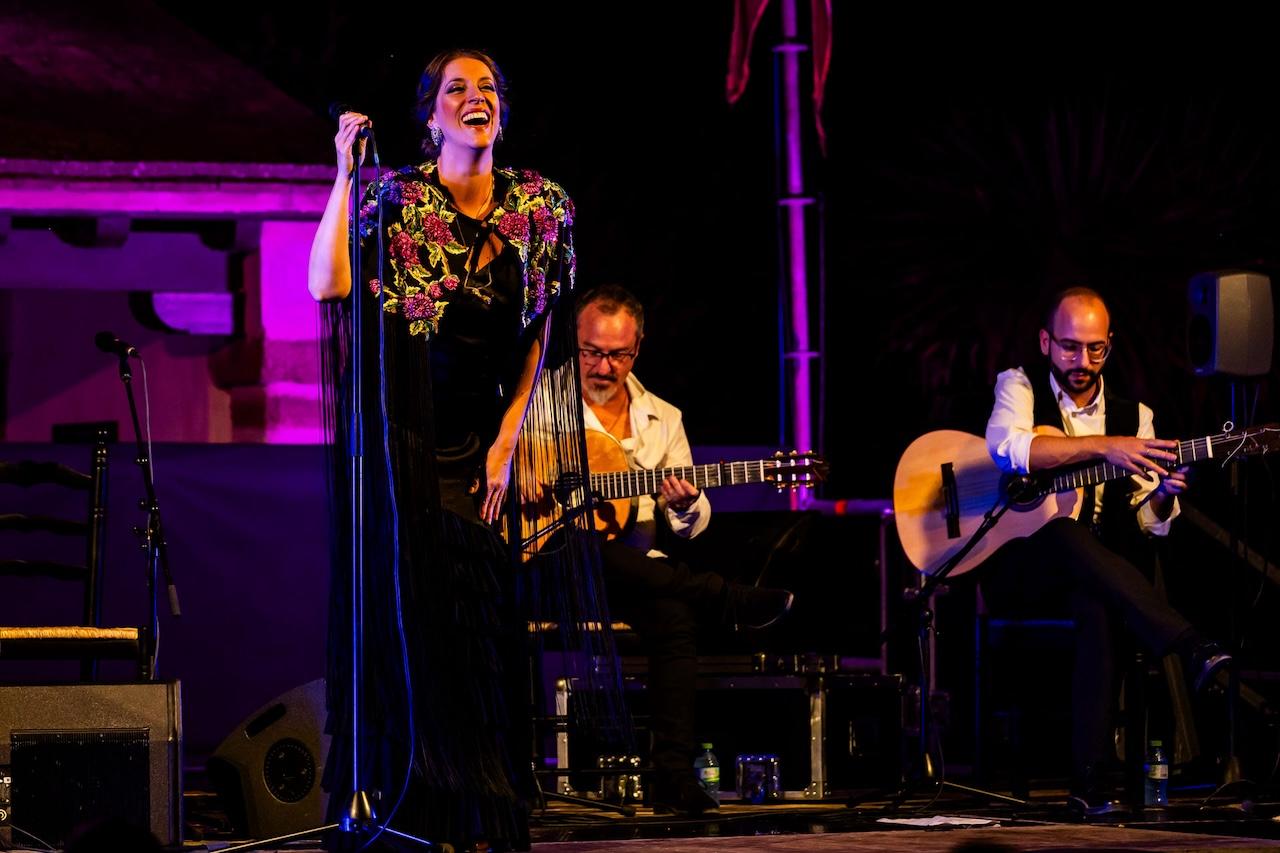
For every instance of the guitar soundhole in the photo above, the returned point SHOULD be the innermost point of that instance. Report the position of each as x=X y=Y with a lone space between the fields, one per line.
x=1023 y=492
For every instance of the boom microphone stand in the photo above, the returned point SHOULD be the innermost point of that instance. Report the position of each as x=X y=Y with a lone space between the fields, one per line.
x=152 y=536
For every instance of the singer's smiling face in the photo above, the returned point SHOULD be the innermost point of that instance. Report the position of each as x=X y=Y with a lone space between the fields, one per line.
x=467 y=108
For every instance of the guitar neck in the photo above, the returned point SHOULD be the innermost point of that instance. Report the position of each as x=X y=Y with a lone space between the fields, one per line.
x=615 y=485
x=1219 y=446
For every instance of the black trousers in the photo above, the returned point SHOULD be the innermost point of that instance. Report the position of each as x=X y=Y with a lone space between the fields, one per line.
x=662 y=599
x=1065 y=563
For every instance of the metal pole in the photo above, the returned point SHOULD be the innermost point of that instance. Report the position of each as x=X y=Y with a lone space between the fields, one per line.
x=798 y=354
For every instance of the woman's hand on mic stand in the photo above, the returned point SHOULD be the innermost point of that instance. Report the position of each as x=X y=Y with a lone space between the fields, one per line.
x=344 y=141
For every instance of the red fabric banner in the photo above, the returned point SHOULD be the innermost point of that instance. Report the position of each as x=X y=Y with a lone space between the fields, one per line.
x=746 y=17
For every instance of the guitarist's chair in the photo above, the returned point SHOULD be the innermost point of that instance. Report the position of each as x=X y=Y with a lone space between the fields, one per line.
x=1053 y=636
x=554 y=711
x=1001 y=720
x=85 y=640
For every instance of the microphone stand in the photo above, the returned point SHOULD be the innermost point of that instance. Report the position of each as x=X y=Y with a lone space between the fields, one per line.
x=360 y=814
x=1232 y=776
x=359 y=819
x=152 y=535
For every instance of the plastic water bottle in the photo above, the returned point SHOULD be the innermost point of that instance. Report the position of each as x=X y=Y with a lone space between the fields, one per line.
x=1157 y=767
x=708 y=770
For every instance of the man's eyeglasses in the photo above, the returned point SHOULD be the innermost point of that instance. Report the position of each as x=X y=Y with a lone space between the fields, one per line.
x=1096 y=350
x=619 y=357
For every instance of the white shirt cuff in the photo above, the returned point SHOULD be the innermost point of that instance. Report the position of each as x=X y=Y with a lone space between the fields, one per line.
x=1151 y=523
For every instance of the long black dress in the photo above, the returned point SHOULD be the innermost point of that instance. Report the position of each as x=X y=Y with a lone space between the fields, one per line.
x=444 y=722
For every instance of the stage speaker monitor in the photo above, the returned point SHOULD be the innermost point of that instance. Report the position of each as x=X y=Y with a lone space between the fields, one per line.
x=79 y=753
x=1229 y=329
x=268 y=770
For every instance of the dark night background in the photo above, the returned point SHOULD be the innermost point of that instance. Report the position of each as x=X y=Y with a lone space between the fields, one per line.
x=973 y=165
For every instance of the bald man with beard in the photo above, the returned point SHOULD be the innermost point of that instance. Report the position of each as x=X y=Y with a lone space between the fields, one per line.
x=1088 y=563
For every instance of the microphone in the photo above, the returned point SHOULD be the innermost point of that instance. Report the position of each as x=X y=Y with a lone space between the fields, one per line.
x=337 y=108
x=109 y=343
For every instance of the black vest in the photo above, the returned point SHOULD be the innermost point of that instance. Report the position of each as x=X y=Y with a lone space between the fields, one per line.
x=1118 y=520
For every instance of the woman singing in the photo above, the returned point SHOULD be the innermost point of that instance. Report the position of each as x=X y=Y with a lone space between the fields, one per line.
x=464 y=360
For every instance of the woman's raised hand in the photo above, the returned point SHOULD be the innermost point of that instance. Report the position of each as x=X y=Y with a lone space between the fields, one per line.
x=349 y=125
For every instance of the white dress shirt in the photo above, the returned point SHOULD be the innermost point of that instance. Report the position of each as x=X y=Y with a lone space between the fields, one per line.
x=1010 y=433
x=657 y=440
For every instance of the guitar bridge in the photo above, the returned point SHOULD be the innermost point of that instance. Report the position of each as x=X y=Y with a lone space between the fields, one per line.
x=951 y=497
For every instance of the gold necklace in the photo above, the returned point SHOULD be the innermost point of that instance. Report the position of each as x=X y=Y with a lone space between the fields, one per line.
x=488 y=199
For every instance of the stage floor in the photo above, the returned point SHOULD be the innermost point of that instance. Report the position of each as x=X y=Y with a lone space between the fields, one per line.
x=1188 y=824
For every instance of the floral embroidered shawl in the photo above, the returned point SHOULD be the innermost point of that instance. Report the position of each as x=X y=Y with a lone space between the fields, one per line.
x=426 y=254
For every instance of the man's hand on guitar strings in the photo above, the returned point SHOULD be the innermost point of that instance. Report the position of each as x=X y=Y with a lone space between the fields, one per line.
x=1139 y=455
x=680 y=494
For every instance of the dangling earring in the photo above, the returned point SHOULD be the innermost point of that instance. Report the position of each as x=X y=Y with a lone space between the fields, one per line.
x=498 y=138
x=437 y=135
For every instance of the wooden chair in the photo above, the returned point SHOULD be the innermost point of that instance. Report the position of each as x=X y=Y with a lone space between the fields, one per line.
x=87 y=641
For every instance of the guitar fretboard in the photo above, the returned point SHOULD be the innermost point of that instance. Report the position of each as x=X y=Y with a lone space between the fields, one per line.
x=615 y=485
x=1218 y=446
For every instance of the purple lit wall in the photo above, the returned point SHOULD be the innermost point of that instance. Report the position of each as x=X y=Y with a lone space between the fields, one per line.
x=200 y=266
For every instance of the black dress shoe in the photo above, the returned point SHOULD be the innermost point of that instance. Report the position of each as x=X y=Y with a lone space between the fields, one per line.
x=757 y=606
x=1207 y=660
x=685 y=798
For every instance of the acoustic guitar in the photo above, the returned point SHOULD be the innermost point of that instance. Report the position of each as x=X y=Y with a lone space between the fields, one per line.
x=615 y=487
x=946 y=482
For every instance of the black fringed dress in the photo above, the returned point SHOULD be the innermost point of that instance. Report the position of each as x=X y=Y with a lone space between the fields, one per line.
x=444 y=725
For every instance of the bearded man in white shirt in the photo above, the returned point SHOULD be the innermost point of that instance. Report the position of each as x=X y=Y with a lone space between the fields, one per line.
x=1089 y=563
x=661 y=598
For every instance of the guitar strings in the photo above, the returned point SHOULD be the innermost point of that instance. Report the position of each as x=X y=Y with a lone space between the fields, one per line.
x=1188 y=451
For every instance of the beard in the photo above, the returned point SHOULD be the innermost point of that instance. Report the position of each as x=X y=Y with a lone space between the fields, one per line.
x=599 y=391
x=1077 y=380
